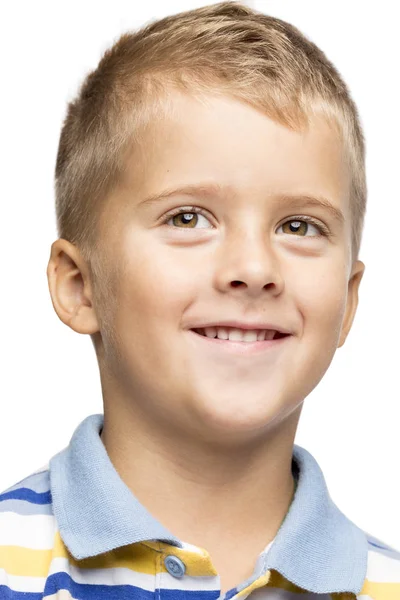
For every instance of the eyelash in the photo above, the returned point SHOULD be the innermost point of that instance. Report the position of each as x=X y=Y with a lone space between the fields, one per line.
x=324 y=231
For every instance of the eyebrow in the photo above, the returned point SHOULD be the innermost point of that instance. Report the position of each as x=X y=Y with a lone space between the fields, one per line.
x=209 y=190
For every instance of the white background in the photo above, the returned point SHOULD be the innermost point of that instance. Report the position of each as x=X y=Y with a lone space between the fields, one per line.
x=49 y=376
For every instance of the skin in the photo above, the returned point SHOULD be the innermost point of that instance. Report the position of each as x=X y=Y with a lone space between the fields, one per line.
x=202 y=437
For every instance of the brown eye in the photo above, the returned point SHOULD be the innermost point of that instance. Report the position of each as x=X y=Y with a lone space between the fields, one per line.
x=300 y=228
x=189 y=220
x=186 y=219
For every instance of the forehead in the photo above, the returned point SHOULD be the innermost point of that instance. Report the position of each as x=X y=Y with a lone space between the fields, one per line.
x=224 y=141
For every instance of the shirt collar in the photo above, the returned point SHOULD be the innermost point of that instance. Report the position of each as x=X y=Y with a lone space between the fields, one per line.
x=316 y=548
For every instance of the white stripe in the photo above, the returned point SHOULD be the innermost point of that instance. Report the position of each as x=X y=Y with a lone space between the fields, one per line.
x=60 y=595
x=20 y=583
x=28 y=531
x=104 y=576
x=125 y=576
x=188 y=584
x=382 y=568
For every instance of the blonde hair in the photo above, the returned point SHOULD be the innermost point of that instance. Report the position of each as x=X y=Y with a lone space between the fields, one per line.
x=226 y=48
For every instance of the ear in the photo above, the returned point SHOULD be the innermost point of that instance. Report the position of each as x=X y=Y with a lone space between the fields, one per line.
x=70 y=288
x=352 y=300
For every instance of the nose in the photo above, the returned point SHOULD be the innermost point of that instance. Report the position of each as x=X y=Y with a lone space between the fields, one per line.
x=250 y=263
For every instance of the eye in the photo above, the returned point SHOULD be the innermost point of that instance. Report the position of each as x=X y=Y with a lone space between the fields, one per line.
x=300 y=227
x=188 y=217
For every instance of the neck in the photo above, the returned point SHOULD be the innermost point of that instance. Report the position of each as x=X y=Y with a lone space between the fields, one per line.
x=187 y=486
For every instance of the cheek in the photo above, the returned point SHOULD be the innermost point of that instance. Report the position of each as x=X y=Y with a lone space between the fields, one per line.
x=158 y=282
x=322 y=300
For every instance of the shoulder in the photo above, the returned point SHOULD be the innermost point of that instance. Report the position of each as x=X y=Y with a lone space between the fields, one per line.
x=27 y=529
x=382 y=580
x=29 y=494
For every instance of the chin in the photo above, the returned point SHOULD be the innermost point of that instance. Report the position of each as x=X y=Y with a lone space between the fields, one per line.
x=235 y=415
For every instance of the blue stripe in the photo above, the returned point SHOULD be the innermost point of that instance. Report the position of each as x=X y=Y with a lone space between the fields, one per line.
x=7 y=594
x=231 y=593
x=27 y=495
x=378 y=545
x=195 y=594
x=86 y=591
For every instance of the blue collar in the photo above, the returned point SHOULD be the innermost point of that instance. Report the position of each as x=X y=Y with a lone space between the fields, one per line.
x=316 y=548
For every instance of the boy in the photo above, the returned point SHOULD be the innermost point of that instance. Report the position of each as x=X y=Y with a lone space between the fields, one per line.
x=228 y=124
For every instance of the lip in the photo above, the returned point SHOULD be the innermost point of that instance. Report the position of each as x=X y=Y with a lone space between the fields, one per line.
x=239 y=325
x=242 y=348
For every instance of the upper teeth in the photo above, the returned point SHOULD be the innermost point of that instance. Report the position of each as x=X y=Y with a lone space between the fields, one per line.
x=238 y=335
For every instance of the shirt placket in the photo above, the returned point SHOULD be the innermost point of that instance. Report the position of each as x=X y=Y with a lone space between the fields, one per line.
x=175 y=564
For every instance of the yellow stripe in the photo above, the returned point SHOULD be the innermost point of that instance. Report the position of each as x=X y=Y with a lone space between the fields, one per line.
x=24 y=561
x=141 y=558
x=197 y=565
x=260 y=582
x=16 y=560
x=381 y=590
x=136 y=557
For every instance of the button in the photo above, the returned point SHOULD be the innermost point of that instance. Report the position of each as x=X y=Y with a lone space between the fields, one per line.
x=174 y=566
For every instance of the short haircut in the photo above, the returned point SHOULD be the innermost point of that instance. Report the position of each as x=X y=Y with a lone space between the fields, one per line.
x=226 y=48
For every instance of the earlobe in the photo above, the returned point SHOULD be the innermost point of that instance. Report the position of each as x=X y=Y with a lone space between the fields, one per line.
x=70 y=289
x=352 y=300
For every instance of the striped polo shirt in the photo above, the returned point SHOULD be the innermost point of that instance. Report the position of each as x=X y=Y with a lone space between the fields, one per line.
x=73 y=529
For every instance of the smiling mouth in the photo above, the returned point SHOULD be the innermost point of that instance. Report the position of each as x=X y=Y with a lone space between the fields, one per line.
x=237 y=348
x=229 y=334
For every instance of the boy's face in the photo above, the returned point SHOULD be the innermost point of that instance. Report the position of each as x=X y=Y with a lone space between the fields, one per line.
x=234 y=262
